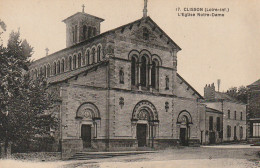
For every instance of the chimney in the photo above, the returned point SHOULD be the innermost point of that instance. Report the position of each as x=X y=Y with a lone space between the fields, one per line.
x=209 y=92
x=47 y=50
x=218 y=84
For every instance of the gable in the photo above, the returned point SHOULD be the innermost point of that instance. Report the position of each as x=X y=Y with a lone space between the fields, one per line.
x=134 y=30
x=184 y=89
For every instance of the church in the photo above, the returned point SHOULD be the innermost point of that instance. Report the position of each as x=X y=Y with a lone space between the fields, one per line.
x=119 y=90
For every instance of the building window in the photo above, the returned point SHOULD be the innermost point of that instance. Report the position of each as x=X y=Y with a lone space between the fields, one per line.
x=210 y=123
x=133 y=71
x=228 y=114
x=45 y=71
x=241 y=132
x=256 y=129
x=235 y=133
x=84 y=32
x=121 y=76
x=89 y=32
x=83 y=60
x=74 y=62
x=145 y=33
x=70 y=63
x=94 y=31
x=62 y=65
x=54 y=68
x=58 y=67
x=228 y=131
x=166 y=83
x=87 y=57
x=143 y=71
x=76 y=33
x=241 y=115
x=235 y=115
x=154 y=73
x=93 y=55
x=48 y=70
x=98 y=53
x=166 y=106
x=79 y=60
x=218 y=124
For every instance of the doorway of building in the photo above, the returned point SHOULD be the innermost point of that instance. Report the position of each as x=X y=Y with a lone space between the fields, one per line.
x=141 y=134
x=212 y=137
x=235 y=133
x=183 y=136
x=86 y=135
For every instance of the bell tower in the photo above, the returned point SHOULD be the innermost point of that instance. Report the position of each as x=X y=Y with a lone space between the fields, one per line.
x=81 y=26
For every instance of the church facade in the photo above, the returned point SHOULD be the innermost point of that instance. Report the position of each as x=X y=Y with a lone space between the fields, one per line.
x=119 y=90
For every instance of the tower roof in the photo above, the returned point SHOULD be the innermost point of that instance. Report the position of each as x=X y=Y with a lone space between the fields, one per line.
x=82 y=14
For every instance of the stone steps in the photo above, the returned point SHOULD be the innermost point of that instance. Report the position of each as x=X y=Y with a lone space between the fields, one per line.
x=101 y=155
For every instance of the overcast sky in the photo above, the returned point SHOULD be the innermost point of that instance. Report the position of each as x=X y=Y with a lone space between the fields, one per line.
x=225 y=48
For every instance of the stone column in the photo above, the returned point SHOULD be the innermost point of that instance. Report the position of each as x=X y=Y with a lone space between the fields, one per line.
x=139 y=75
x=150 y=76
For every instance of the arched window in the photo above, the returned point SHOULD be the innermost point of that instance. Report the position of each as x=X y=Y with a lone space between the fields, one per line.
x=87 y=57
x=48 y=70
x=70 y=63
x=98 y=53
x=121 y=76
x=145 y=33
x=74 y=62
x=54 y=68
x=76 y=33
x=94 y=31
x=58 y=67
x=62 y=65
x=143 y=71
x=228 y=114
x=93 y=55
x=83 y=59
x=89 y=32
x=133 y=71
x=85 y=32
x=41 y=72
x=154 y=74
x=36 y=73
x=235 y=115
x=166 y=83
x=79 y=60
x=73 y=34
x=45 y=71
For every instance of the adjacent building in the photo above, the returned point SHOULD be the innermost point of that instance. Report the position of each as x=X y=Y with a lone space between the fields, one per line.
x=225 y=117
x=254 y=112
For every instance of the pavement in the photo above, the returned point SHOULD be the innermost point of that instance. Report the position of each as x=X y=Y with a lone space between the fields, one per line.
x=224 y=156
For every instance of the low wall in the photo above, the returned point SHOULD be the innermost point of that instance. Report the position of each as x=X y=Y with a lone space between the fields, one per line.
x=46 y=156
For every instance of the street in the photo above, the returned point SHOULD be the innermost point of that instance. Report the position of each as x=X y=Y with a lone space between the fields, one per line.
x=227 y=156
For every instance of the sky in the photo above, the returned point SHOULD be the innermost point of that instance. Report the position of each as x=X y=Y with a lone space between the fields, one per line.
x=225 y=48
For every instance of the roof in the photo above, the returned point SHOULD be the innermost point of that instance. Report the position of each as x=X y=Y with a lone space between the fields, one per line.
x=211 y=110
x=189 y=86
x=221 y=95
x=256 y=83
x=84 y=14
x=111 y=31
x=70 y=74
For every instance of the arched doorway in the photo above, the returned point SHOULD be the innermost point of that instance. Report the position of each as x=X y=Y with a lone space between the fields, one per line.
x=145 y=123
x=184 y=120
x=89 y=120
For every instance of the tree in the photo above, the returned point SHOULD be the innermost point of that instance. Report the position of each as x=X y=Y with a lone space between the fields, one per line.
x=24 y=103
x=238 y=93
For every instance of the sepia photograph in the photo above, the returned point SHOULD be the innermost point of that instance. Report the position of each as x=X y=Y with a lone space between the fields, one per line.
x=129 y=83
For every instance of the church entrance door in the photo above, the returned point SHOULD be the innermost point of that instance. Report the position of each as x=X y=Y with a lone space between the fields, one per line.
x=141 y=134
x=212 y=138
x=183 y=136
x=86 y=135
